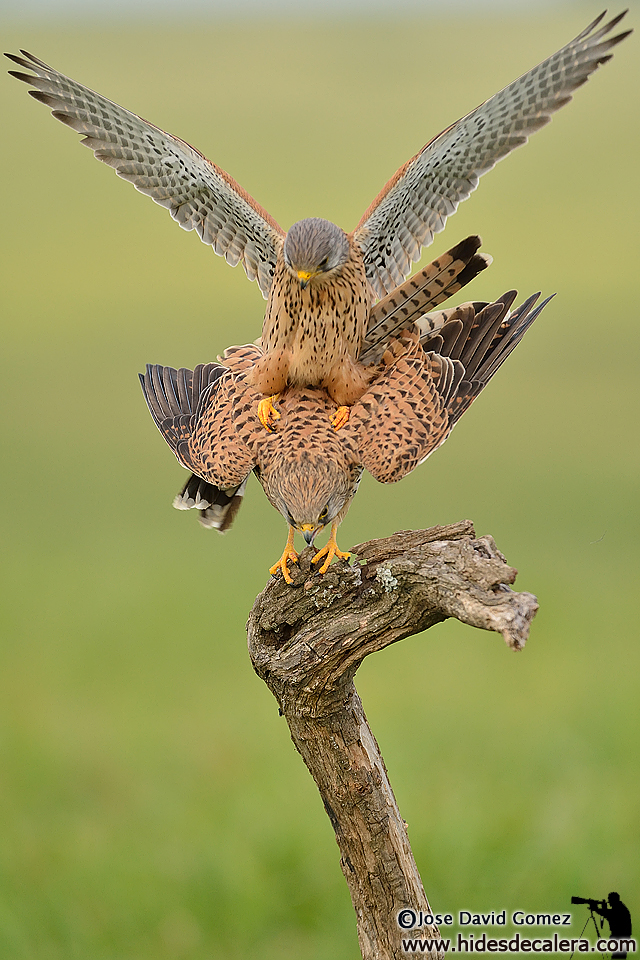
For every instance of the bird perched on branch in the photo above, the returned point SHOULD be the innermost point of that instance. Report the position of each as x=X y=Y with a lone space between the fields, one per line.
x=340 y=382
x=320 y=282
x=426 y=370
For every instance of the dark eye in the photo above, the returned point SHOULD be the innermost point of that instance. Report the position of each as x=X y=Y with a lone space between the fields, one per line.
x=325 y=513
x=324 y=264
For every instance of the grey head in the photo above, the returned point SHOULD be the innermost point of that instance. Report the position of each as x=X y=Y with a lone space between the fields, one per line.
x=310 y=492
x=314 y=247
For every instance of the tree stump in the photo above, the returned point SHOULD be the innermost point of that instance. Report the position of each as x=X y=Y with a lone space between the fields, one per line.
x=306 y=642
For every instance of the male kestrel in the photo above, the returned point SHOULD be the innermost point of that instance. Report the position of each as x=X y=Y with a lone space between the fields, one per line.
x=321 y=283
x=422 y=381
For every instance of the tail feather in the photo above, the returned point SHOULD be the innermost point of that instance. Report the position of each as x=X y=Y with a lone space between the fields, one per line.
x=404 y=308
x=218 y=508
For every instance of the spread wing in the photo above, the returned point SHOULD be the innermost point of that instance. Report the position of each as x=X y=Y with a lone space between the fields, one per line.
x=403 y=417
x=178 y=401
x=194 y=412
x=481 y=337
x=174 y=398
x=197 y=193
x=415 y=203
x=426 y=386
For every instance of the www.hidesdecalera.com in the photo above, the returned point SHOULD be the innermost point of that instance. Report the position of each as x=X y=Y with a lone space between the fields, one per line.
x=471 y=942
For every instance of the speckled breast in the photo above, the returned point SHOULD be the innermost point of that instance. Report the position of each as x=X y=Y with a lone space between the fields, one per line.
x=320 y=324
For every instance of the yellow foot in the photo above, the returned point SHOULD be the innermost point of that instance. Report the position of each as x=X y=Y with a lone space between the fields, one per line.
x=329 y=551
x=288 y=555
x=267 y=413
x=340 y=417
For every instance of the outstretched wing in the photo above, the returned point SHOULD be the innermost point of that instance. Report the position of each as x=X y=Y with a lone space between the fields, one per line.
x=194 y=412
x=403 y=417
x=415 y=203
x=175 y=398
x=411 y=408
x=197 y=193
x=481 y=338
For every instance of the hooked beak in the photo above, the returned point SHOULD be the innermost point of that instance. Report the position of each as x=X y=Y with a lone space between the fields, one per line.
x=308 y=532
x=304 y=276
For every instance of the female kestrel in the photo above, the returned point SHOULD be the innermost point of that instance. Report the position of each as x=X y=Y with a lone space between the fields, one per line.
x=321 y=283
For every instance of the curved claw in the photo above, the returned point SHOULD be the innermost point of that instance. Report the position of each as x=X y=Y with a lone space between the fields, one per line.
x=288 y=555
x=329 y=551
x=340 y=417
x=267 y=413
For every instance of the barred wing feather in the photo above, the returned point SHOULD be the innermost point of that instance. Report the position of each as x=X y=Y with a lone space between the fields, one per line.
x=197 y=193
x=415 y=203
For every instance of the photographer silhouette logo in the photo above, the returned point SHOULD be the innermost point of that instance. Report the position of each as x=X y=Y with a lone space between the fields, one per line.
x=616 y=914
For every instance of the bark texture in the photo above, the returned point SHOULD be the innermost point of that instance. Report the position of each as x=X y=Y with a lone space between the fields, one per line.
x=306 y=642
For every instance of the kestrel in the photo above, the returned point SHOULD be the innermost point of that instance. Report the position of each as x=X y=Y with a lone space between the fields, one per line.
x=320 y=282
x=422 y=381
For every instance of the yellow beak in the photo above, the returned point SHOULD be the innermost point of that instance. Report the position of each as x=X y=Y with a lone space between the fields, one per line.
x=308 y=531
x=304 y=276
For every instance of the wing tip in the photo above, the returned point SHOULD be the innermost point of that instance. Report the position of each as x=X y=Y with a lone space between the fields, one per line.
x=620 y=36
x=32 y=63
x=16 y=59
x=25 y=77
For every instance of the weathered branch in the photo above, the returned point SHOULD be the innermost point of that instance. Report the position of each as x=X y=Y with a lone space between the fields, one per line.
x=306 y=642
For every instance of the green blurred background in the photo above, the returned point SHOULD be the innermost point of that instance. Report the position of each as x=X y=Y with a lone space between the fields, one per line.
x=151 y=802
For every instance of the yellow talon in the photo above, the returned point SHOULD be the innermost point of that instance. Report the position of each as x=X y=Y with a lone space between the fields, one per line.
x=267 y=413
x=340 y=417
x=330 y=550
x=288 y=554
